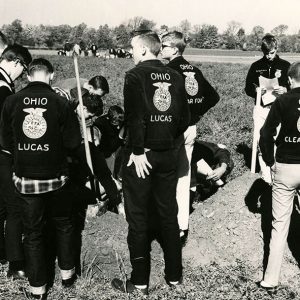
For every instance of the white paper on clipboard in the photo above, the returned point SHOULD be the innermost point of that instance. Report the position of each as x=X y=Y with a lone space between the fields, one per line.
x=268 y=84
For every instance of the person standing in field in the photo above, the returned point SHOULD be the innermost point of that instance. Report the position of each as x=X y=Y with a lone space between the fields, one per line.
x=40 y=129
x=269 y=66
x=201 y=97
x=156 y=113
x=285 y=166
x=13 y=62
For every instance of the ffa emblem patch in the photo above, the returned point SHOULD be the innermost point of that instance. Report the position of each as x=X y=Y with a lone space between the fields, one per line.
x=278 y=73
x=34 y=125
x=162 y=96
x=191 y=84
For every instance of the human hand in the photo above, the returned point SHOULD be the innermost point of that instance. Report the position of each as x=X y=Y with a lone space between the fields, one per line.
x=141 y=164
x=217 y=173
x=280 y=90
x=263 y=90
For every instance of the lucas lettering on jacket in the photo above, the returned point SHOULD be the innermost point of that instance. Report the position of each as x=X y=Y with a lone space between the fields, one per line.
x=34 y=124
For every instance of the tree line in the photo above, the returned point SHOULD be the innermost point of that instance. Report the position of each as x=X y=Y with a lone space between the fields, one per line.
x=205 y=36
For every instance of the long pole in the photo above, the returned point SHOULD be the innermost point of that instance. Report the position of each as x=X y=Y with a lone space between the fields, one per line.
x=84 y=130
x=255 y=133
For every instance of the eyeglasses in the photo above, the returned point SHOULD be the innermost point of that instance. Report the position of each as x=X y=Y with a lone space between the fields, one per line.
x=165 y=45
x=25 y=69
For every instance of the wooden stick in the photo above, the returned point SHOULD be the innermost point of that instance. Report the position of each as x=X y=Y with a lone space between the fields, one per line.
x=255 y=133
x=84 y=130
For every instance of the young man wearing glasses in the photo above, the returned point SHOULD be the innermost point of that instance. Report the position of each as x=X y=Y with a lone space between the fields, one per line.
x=13 y=62
x=269 y=66
x=201 y=97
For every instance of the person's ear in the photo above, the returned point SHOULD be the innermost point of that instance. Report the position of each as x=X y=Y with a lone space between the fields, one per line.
x=51 y=76
x=144 y=50
x=29 y=78
x=290 y=80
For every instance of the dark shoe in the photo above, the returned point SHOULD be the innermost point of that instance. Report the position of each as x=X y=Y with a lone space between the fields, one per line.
x=183 y=237
x=178 y=287
x=102 y=207
x=16 y=274
x=271 y=290
x=67 y=283
x=127 y=287
x=30 y=296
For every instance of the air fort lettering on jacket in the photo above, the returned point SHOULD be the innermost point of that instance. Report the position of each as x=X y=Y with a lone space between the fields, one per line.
x=160 y=76
x=195 y=101
x=35 y=101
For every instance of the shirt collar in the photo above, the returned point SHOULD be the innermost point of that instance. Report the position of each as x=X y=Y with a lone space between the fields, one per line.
x=6 y=77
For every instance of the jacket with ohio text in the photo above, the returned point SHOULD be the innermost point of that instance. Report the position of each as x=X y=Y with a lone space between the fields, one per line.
x=156 y=109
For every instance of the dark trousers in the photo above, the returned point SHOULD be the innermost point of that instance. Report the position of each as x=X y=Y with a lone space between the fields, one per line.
x=102 y=173
x=53 y=208
x=158 y=189
x=10 y=209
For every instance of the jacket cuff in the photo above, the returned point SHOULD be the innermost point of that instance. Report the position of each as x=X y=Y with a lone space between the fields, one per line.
x=138 y=150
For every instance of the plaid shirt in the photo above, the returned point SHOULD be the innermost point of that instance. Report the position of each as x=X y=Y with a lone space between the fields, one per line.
x=38 y=186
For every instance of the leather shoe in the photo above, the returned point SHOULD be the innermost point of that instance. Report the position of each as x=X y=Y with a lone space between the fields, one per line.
x=67 y=283
x=271 y=290
x=16 y=274
x=127 y=287
x=30 y=296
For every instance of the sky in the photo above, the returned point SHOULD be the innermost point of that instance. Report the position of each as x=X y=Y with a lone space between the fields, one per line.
x=266 y=13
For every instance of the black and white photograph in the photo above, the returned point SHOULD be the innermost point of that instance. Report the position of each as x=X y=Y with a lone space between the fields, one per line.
x=149 y=149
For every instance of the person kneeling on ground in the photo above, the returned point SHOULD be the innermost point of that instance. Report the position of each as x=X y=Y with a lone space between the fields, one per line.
x=93 y=106
x=211 y=164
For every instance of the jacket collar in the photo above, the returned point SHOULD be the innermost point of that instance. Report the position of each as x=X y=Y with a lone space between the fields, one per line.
x=150 y=62
x=38 y=84
x=6 y=77
x=177 y=60
x=295 y=90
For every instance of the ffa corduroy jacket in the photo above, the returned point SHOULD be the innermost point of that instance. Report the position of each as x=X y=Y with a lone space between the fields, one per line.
x=200 y=94
x=285 y=111
x=268 y=69
x=156 y=109
x=39 y=127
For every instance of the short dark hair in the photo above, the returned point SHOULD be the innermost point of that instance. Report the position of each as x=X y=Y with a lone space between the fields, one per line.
x=3 y=40
x=176 y=39
x=151 y=40
x=99 y=82
x=268 y=43
x=294 y=71
x=40 y=64
x=93 y=103
x=17 y=52
x=115 y=112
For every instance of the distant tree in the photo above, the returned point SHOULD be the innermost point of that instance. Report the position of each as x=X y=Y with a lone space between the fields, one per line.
x=139 y=23
x=104 y=37
x=230 y=38
x=279 y=30
x=185 y=27
x=77 y=33
x=13 y=31
x=122 y=36
x=206 y=36
x=60 y=35
x=256 y=35
x=241 y=37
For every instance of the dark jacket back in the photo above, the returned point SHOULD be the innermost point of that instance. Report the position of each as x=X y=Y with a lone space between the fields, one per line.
x=156 y=109
x=39 y=127
x=200 y=94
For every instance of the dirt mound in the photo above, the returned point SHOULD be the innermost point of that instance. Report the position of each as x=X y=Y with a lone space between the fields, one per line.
x=231 y=226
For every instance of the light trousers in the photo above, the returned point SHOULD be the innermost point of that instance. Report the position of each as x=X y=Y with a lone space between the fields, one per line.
x=285 y=185
x=184 y=176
